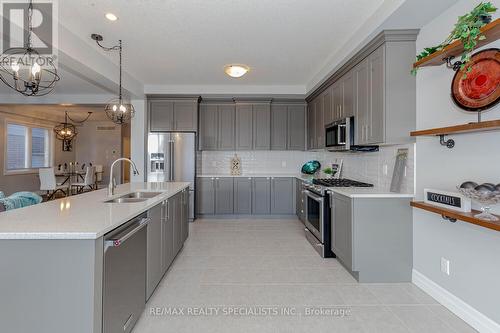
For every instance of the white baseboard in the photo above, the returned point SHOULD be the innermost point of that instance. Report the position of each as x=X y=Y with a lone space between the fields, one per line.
x=463 y=310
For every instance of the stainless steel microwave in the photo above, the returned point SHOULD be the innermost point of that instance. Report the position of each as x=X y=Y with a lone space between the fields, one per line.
x=339 y=135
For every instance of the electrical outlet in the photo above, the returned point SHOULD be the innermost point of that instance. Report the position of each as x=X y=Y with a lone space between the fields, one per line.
x=445 y=266
x=283 y=164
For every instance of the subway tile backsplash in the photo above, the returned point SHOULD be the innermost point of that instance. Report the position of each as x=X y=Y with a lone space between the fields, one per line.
x=374 y=167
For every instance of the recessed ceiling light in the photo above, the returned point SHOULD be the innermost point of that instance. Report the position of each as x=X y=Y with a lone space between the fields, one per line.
x=111 y=17
x=236 y=70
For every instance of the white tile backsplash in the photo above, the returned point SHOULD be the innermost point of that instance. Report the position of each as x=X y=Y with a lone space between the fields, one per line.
x=366 y=167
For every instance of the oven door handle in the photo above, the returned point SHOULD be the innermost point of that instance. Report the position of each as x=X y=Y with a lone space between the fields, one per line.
x=314 y=196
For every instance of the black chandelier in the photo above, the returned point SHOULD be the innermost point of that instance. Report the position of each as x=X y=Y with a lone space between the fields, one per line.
x=66 y=131
x=117 y=110
x=25 y=70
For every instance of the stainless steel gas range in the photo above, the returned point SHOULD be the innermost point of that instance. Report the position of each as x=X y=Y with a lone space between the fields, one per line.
x=318 y=221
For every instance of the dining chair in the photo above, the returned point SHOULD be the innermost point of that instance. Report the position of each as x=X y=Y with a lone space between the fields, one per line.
x=99 y=170
x=48 y=183
x=88 y=181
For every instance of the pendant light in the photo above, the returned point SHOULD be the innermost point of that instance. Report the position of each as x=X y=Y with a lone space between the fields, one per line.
x=66 y=131
x=118 y=110
x=24 y=70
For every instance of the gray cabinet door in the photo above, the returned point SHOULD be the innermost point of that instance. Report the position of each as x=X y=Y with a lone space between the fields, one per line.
x=311 y=125
x=161 y=115
x=320 y=123
x=261 y=196
x=154 y=262
x=342 y=229
x=327 y=97
x=300 y=200
x=205 y=195
x=177 y=216
x=376 y=131
x=348 y=95
x=337 y=100
x=186 y=116
x=296 y=133
x=224 y=195
x=168 y=234
x=208 y=135
x=279 y=115
x=244 y=123
x=226 y=127
x=282 y=195
x=362 y=102
x=185 y=216
x=261 y=126
x=242 y=196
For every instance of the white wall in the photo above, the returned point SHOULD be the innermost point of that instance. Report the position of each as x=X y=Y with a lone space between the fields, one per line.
x=137 y=133
x=473 y=251
x=99 y=147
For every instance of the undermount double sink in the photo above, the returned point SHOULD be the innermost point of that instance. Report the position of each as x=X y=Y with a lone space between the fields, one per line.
x=134 y=197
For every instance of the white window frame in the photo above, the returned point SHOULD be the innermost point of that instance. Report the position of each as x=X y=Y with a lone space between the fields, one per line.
x=29 y=125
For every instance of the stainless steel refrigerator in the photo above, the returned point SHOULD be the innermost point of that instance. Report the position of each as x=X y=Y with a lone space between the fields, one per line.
x=172 y=157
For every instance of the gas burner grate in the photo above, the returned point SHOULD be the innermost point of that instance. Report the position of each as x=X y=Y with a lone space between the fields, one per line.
x=329 y=182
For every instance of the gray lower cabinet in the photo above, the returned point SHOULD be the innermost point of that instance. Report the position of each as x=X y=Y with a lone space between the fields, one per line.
x=205 y=195
x=173 y=114
x=176 y=202
x=282 y=196
x=300 y=206
x=154 y=250
x=185 y=215
x=224 y=195
x=261 y=196
x=243 y=196
x=372 y=237
x=168 y=234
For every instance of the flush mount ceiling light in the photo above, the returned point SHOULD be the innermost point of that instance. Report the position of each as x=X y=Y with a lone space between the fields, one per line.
x=25 y=70
x=236 y=70
x=111 y=17
x=117 y=110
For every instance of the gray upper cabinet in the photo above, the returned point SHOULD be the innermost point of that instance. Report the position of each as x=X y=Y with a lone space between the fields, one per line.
x=209 y=127
x=311 y=125
x=288 y=130
x=375 y=88
x=224 y=196
x=217 y=127
x=327 y=97
x=244 y=127
x=279 y=116
x=296 y=129
x=205 y=195
x=243 y=196
x=261 y=196
x=282 y=204
x=226 y=127
x=173 y=115
x=320 y=123
x=262 y=126
x=161 y=115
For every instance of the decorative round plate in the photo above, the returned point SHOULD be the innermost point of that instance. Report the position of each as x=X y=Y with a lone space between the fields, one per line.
x=479 y=90
x=311 y=167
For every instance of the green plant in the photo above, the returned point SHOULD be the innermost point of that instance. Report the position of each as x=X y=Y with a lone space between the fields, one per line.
x=467 y=30
x=328 y=171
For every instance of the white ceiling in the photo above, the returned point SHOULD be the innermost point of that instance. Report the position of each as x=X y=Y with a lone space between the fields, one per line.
x=188 y=42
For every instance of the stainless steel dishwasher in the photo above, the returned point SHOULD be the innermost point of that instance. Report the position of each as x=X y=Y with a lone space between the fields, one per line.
x=124 y=275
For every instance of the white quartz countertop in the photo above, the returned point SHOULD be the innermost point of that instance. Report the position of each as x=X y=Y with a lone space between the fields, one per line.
x=84 y=216
x=351 y=192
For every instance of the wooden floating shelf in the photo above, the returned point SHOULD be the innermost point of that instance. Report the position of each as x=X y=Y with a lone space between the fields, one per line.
x=452 y=214
x=491 y=31
x=465 y=128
